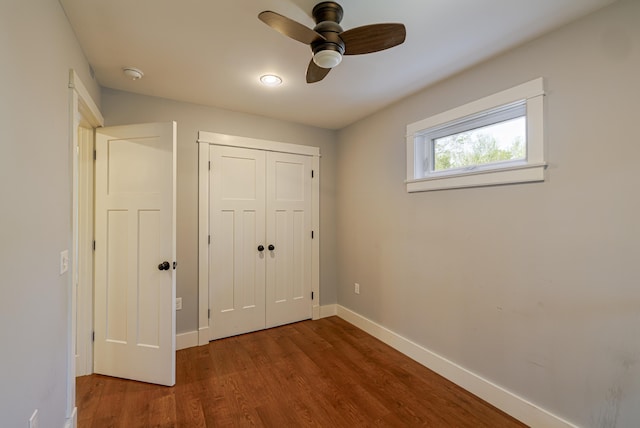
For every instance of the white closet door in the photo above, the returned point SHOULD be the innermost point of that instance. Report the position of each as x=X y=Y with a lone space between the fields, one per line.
x=288 y=225
x=236 y=265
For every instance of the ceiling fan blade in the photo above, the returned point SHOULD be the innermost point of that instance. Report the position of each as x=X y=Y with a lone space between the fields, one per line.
x=289 y=27
x=372 y=38
x=316 y=73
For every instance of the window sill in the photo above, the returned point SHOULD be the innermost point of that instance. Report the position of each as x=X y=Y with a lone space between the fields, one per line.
x=493 y=177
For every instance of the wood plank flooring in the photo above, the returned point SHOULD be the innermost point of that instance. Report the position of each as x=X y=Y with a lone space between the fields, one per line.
x=324 y=373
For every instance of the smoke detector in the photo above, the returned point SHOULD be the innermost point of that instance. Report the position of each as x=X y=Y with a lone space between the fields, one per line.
x=133 y=73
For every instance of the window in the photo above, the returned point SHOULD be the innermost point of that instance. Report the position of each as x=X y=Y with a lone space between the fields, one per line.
x=494 y=140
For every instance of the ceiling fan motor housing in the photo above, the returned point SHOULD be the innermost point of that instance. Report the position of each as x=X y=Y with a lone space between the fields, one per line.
x=327 y=16
x=331 y=32
x=327 y=11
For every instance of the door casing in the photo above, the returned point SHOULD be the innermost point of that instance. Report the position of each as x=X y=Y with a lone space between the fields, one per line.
x=83 y=247
x=83 y=112
x=205 y=140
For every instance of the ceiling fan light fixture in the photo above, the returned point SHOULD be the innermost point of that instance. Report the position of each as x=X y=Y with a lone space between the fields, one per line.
x=328 y=41
x=327 y=58
x=270 y=80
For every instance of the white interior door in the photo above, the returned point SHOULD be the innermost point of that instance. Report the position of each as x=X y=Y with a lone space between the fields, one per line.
x=236 y=265
x=135 y=234
x=288 y=225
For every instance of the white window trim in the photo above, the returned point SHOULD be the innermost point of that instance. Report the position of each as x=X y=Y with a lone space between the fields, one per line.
x=532 y=169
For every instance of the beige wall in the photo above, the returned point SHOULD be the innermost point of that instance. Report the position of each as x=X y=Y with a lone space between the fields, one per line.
x=119 y=108
x=37 y=48
x=536 y=287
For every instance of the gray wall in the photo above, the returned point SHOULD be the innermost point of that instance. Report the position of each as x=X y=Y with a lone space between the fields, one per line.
x=37 y=47
x=533 y=286
x=120 y=108
x=536 y=287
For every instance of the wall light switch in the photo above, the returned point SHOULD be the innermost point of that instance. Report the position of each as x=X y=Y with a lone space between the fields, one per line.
x=64 y=261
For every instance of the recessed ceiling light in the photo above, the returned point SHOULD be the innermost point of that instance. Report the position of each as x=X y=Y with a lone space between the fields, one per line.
x=270 y=80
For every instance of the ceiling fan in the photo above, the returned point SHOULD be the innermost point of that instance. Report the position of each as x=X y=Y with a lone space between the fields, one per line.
x=329 y=42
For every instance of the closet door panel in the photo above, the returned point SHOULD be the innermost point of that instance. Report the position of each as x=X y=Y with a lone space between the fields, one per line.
x=288 y=228
x=236 y=266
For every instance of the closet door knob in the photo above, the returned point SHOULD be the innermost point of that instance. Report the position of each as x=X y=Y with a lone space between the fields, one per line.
x=164 y=266
x=271 y=247
x=261 y=248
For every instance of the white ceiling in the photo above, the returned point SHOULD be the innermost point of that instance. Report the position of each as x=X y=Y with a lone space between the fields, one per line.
x=212 y=52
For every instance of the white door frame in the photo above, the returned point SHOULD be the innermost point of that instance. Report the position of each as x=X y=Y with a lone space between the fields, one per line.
x=82 y=244
x=205 y=139
x=82 y=110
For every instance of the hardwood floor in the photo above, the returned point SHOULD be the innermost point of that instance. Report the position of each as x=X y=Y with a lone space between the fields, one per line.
x=324 y=373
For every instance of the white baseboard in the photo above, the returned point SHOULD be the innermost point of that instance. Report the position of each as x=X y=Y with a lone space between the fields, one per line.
x=328 y=310
x=72 y=421
x=499 y=397
x=201 y=337
x=186 y=340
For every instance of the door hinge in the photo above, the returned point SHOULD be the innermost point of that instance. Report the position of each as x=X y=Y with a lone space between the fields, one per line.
x=209 y=165
x=209 y=240
x=209 y=313
x=95 y=155
x=312 y=295
x=312 y=234
x=311 y=173
x=94 y=245
x=93 y=336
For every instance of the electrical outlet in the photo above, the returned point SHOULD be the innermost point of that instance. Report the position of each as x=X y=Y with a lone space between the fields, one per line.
x=64 y=261
x=178 y=303
x=356 y=288
x=33 y=420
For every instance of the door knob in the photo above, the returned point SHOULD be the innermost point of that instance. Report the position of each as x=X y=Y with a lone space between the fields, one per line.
x=164 y=266
x=271 y=247
x=261 y=248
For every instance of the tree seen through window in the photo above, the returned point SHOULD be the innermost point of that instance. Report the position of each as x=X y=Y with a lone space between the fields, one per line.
x=504 y=141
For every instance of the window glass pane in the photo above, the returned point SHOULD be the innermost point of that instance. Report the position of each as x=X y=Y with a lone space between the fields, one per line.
x=503 y=141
